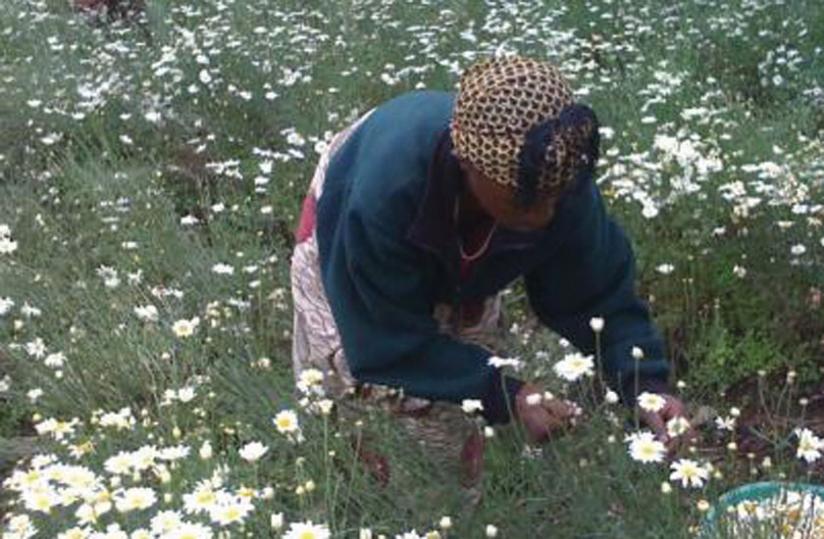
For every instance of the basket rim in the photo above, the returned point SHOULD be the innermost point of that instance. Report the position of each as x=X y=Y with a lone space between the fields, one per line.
x=752 y=491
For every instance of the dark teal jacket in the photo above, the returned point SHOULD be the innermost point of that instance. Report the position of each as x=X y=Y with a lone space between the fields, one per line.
x=389 y=252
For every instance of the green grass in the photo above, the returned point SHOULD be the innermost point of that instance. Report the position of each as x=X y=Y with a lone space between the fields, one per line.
x=108 y=135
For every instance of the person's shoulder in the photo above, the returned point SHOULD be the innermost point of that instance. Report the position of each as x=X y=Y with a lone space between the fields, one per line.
x=420 y=104
x=400 y=130
x=410 y=119
x=395 y=150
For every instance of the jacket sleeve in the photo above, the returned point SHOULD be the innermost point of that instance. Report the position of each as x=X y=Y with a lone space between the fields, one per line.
x=383 y=309
x=593 y=275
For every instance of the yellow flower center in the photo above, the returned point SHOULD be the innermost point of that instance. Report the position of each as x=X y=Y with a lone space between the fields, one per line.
x=206 y=497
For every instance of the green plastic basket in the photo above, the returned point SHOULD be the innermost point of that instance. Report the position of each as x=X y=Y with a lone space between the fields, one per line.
x=754 y=492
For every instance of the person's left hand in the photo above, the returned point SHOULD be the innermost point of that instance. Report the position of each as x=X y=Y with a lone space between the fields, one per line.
x=545 y=417
x=657 y=421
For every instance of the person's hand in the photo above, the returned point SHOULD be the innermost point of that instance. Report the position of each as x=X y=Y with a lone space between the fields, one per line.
x=542 y=417
x=657 y=421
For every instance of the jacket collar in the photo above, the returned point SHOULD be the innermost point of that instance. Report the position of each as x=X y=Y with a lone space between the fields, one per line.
x=434 y=226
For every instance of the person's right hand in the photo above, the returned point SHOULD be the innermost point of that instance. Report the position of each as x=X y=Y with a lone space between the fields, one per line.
x=545 y=417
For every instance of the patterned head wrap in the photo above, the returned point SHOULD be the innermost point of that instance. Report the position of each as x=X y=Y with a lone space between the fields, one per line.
x=516 y=121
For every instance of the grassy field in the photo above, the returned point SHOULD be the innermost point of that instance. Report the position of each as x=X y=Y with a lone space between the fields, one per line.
x=150 y=174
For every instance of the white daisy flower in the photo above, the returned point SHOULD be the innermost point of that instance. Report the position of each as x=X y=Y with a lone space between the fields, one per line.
x=677 y=426
x=689 y=473
x=574 y=366
x=809 y=445
x=286 y=422
x=7 y=246
x=223 y=269
x=651 y=402
x=252 y=451
x=6 y=305
x=643 y=447
x=185 y=328
x=471 y=406
x=725 y=423
x=501 y=362
x=146 y=313
x=307 y=530
x=135 y=499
